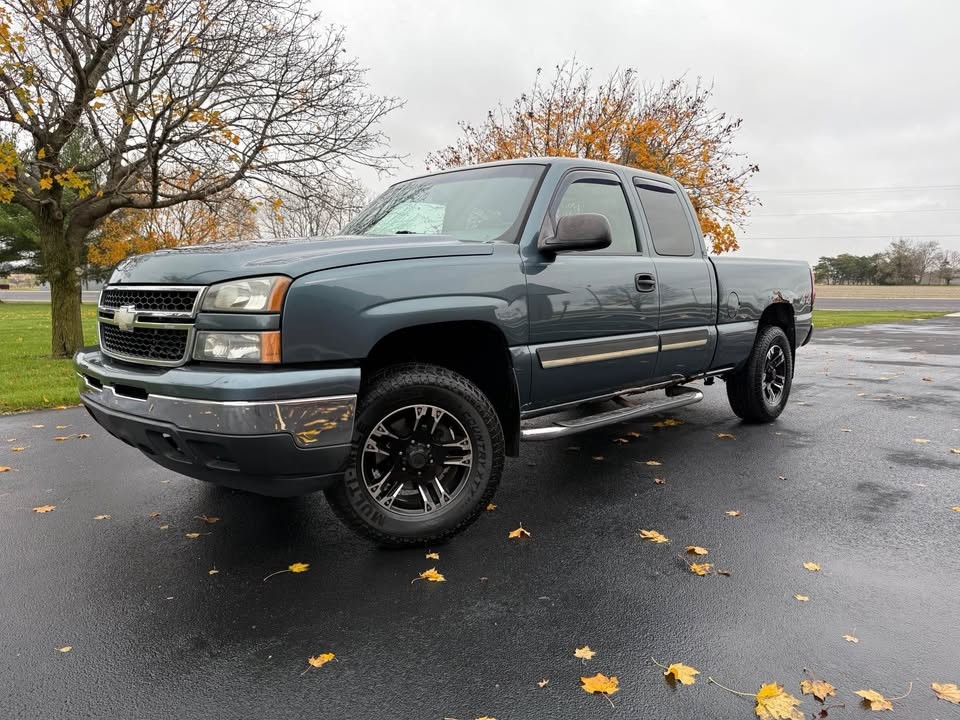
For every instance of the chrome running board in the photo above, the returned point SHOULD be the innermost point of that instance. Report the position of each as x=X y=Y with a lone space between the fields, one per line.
x=681 y=396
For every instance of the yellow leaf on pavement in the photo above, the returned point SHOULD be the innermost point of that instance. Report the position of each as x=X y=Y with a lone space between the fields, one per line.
x=432 y=556
x=774 y=703
x=4 y=468
x=956 y=508
x=732 y=513
x=653 y=462
x=726 y=435
x=875 y=700
x=801 y=598
x=44 y=508
x=696 y=550
x=299 y=567
x=584 y=653
x=601 y=684
x=920 y=440
x=320 y=660
x=812 y=566
x=520 y=532
x=955 y=451
x=701 y=568
x=192 y=536
x=820 y=689
x=209 y=520
x=101 y=517
x=851 y=638
x=18 y=449
x=947 y=691
x=490 y=507
x=65 y=648
x=683 y=674
x=669 y=422
x=543 y=683
x=430 y=575
x=213 y=571
x=653 y=536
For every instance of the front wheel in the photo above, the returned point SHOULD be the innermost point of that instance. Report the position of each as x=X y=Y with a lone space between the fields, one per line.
x=758 y=391
x=427 y=457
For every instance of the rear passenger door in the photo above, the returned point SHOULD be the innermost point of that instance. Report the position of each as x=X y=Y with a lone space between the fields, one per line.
x=593 y=314
x=688 y=294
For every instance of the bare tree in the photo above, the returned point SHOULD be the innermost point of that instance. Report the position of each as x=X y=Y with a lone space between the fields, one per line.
x=193 y=95
x=948 y=268
x=319 y=213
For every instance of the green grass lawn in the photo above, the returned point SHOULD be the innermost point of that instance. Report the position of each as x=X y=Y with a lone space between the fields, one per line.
x=826 y=319
x=29 y=377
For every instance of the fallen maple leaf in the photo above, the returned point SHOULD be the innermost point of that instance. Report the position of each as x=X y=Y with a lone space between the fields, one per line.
x=696 y=550
x=920 y=440
x=4 y=468
x=701 y=568
x=584 y=653
x=653 y=536
x=299 y=567
x=875 y=700
x=543 y=683
x=432 y=556
x=851 y=638
x=845 y=430
x=683 y=674
x=44 y=508
x=519 y=533
x=947 y=691
x=82 y=436
x=164 y=526
x=430 y=575
x=18 y=449
x=732 y=513
x=192 y=536
x=61 y=438
x=659 y=481
x=956 y=508
x=634 y=434
x=600 y=684
x=65 y=648
x=621 y=441
x=726 y=435
x=209 y=520
x=213 y=571
x=774 y=703
x=801 y=598
x=38 y=426
x=669 y=422
x=653 y=462
x=955 y=451
x=101 y=517
x=927 y=379
x=154 y=514
x=812 y=566
x=490 y=507
x=320 y=660
x=820 y=689
x=60 y=427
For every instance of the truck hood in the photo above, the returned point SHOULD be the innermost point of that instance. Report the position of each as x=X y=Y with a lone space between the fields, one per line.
x=205 y=264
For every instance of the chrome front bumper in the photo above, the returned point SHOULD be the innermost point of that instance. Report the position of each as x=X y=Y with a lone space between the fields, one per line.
x=311 y=422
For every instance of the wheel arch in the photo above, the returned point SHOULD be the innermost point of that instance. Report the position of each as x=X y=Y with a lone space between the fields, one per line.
x=476 y=349
x=781 y=315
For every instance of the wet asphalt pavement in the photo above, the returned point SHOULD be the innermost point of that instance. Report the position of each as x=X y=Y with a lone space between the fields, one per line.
x=154 y=635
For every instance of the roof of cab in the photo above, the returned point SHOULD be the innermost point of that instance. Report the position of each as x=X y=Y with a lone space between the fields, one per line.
x=562 y=163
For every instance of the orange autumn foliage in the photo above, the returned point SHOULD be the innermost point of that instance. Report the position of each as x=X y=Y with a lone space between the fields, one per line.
x=670 y=129
x=133 y=232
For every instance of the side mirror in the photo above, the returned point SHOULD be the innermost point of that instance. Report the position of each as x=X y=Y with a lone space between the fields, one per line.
x=586 y=231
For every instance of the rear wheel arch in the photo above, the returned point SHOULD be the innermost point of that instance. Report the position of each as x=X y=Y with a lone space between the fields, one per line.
x=781 y=315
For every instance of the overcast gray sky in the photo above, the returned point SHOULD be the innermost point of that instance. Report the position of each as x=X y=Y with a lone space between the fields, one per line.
x=834 y=95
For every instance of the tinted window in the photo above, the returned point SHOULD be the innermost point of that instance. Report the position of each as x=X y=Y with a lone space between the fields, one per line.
x=481 y=204
x=604 y=197
x=667 y=219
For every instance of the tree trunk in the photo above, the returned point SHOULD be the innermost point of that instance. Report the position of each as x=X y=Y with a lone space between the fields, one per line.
x=61 y=263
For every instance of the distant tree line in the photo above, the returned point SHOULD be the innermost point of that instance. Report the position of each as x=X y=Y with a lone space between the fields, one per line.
x=904 y=262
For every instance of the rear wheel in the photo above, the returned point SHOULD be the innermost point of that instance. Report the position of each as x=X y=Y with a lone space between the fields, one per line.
x=758 y=392
x=427 y=456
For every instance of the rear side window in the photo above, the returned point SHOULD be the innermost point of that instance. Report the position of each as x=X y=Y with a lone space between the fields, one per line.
x=667 y=219
x=605 y=197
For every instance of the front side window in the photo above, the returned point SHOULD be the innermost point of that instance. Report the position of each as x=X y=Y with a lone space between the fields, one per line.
x=667 y=218
x=604 y=197
x=481 y=204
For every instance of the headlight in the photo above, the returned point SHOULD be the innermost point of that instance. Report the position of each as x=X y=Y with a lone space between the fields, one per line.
x=263 y=294
x=260 y=347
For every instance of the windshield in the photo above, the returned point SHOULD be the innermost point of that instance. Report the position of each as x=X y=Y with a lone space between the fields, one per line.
x=482 y=204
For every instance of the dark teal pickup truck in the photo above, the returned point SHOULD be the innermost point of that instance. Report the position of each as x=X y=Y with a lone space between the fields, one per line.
x=394 y=366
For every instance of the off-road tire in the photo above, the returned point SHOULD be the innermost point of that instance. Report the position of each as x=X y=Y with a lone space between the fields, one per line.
x=745 y=388
x=415 y=383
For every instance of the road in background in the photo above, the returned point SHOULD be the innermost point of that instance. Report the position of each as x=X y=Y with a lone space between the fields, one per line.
x=931 y=305
x=90 y=296
x=840 y=479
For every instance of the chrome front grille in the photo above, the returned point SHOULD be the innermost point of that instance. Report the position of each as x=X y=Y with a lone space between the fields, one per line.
x=149 y=324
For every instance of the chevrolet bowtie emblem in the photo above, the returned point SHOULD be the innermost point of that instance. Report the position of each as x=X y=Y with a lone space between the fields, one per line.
x=125 y=317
